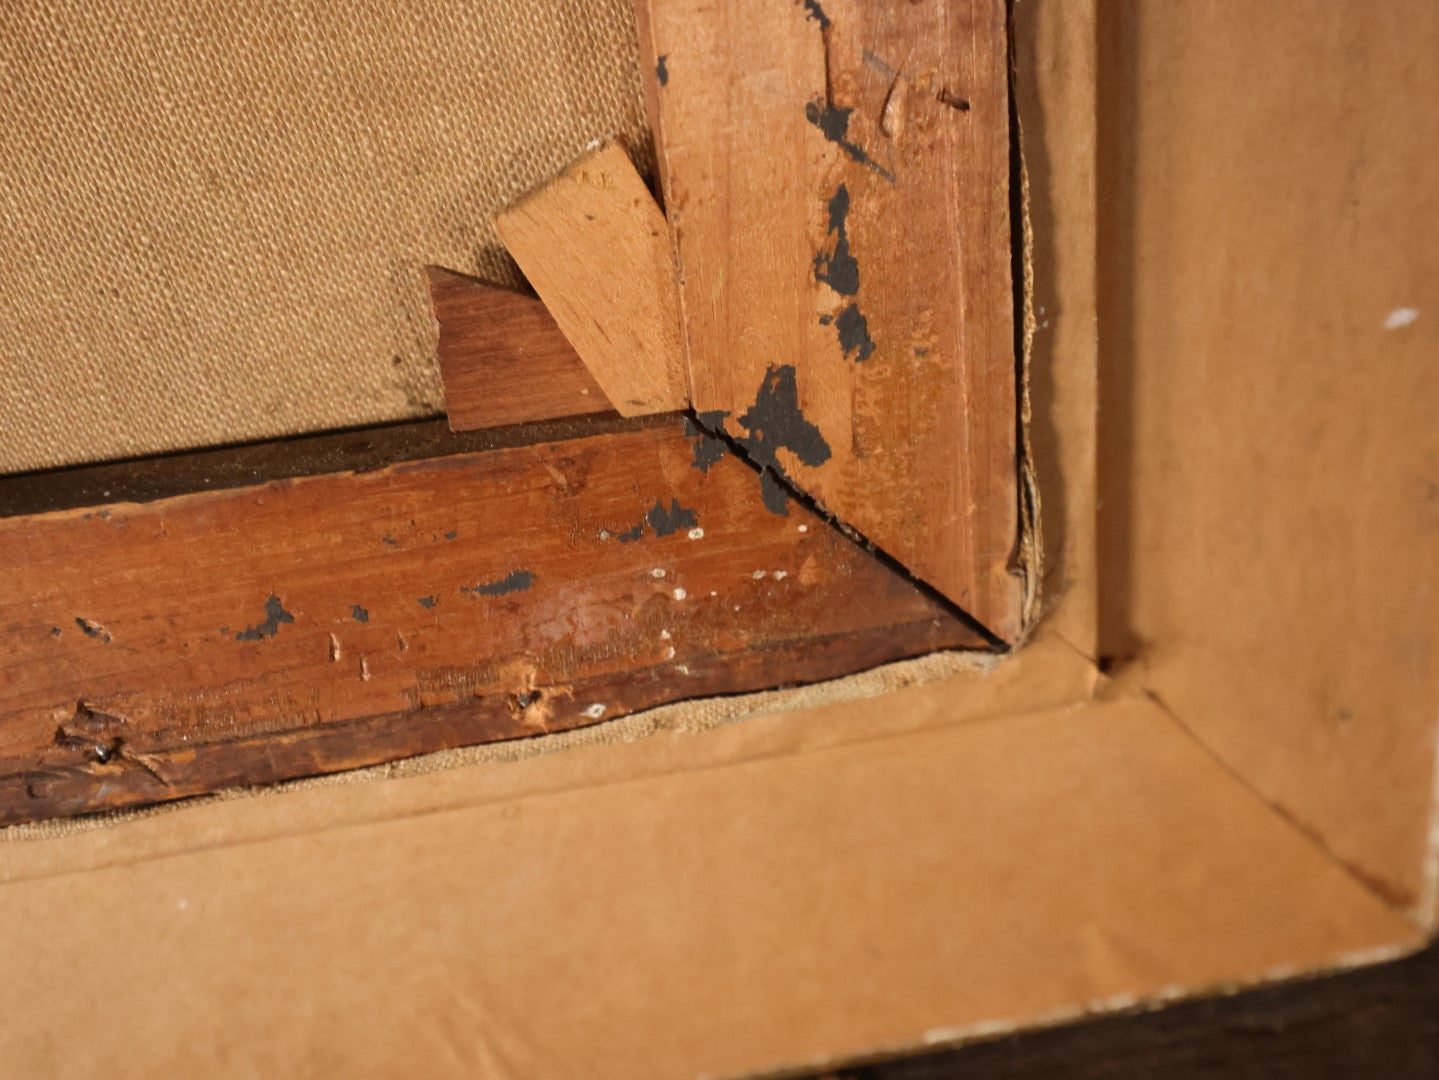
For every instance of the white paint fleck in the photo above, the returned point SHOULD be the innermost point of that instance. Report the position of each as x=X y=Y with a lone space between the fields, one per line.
x=594 y=712
x=1400 y=318
x=804 y=528
x=683 y=669
x=657 y=573
x=780 y=575
x=669 y=652
x=696 y=533
x=680 y=594
x=664 y=635
x=604 y=534
x=757 y=574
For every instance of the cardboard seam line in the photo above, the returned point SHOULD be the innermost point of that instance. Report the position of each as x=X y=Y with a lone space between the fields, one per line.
x=1419 y=914
x=980 y=1031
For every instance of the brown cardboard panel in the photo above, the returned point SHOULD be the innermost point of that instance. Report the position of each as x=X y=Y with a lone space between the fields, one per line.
x=1270 y=464
x=844 y=899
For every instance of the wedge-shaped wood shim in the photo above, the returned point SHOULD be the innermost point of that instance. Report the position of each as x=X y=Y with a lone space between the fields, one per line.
x=502 y=358
x=837 y=176
x=596 y=247
x=234 y=638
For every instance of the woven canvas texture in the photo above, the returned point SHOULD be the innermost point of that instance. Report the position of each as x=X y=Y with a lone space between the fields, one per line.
x=213 y=213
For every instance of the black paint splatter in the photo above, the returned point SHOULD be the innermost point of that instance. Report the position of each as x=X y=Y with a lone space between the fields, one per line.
x=451 y=534
x=55 y=631
x=389 y=541
x=275 y=614
x=775 y=421
x=661 y=72
x=427 y=601
x=838 y=268
x=359 y=614
x=514 y=581
x=776 y=498
x=708 y=448
x=833 y=124
x=665 y=522
x=854 y=333
x=812 y=10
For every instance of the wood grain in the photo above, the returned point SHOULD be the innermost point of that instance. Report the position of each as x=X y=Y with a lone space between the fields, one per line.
x=595 y=246
x=502 y=358
x=838 y=183
x=304 y=626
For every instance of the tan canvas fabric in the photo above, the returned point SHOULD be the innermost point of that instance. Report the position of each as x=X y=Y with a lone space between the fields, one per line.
x=213 y=212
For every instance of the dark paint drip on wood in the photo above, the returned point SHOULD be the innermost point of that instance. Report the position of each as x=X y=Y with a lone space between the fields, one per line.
x=514 y=581
x=774 y=493
x=275 y=615
x=708 y=448
x=833 y=124
x=776 y=422
x=666 y=522
x=812 y=10
x=853 y=329
x=838 y=268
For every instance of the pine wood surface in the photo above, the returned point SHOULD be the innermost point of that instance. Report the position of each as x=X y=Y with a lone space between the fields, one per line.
x=595 y=246
x=837 y=177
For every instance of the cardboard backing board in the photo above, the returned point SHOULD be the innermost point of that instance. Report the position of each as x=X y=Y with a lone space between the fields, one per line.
x=1270 y=415
x=786 y=891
